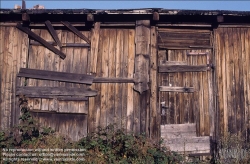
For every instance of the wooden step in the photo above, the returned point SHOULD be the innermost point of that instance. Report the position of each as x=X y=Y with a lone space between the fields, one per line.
x=182 y=139
x=178 y=130
x=189 y=145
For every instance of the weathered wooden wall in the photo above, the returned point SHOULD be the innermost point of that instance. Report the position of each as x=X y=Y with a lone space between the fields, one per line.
x=112 y=54
x=13 y=56
x=232 y=57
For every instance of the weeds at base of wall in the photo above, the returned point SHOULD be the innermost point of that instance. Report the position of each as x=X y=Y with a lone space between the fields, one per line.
x=107 y=145
x=232 y=149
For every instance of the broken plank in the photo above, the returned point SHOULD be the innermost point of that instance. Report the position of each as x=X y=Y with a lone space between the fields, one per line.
x=182 y=68
x=53 y=33
x=55 y=91
x=41 y=40
x=112 y=80
x=176 y=89
x=75 y=31
x=56 y=76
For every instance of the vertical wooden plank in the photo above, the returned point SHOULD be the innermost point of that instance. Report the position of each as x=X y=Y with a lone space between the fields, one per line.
x=163 y=96
x=239 y=83
x=92 y=67
x=118 y=86
x=15 y=51
x=247 y=46
x=188 y=83
x=130 y=99
x=201 y=98
x=196 y=97
x=211 y=98
x=9 y=78
x=181 y=98
x=111 y=73
x=83 y=67
x=1 y=71
x=206 y=98
x=246 y=74
x=62 y=105
x=228 y=113
x=154 y=111
x=43 y=63
x=124 y=73
x=105 y=72
x=5 y=33
x=171 y=94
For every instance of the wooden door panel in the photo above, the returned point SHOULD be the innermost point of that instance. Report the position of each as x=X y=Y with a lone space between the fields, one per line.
x=178 y=106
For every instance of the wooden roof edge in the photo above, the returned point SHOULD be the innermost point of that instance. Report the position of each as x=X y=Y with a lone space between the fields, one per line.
x=126 y=11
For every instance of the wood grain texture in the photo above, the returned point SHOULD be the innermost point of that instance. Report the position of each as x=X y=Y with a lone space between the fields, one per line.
x=53 y=33
x=175 y=89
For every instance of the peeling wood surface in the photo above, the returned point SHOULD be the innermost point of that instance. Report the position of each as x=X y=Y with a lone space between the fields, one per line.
x=56 y=76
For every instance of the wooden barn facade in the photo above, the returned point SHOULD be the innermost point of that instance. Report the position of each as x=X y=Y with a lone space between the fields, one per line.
x=151 y=71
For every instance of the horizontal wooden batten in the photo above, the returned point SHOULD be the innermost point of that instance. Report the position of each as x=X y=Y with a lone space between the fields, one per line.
x=113 y=80
x=56 y=76
x=60 y=98
x=163 y=62
x=54 y=91
x=54 y=112
x=175 y=47
x=32 y=42
x=41 y=40
x=197 y=53
x=182 y=68
x=176 y=89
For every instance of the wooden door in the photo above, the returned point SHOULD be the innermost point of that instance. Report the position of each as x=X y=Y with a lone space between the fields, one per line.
x=185 y=89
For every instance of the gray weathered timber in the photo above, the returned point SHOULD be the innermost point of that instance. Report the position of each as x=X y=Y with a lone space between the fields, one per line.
x=182 y=68
x=176 y=89
x=53 y=33
x=56 y=76
x=54 y=91
x=75 y=31
x=41 y=40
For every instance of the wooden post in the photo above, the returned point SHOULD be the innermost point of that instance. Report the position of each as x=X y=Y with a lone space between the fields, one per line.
x=142 y=56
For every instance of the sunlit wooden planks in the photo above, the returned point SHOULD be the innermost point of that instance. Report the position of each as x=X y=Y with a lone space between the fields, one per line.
x=182 y=68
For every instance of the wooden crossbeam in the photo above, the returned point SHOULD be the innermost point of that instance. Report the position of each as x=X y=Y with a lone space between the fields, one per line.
x=112 y=80
x=182 y=68
x=56 y=76
x=60 y=98
x=32 y=42
x=53 y=33
x=75 y=31
x=41 y=40
x=35 y=91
